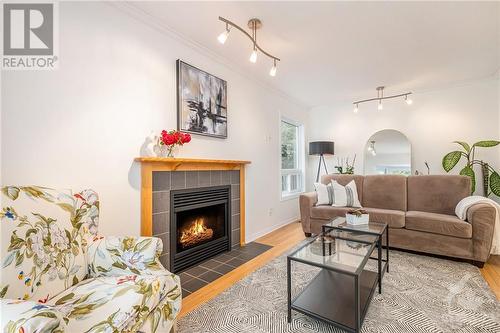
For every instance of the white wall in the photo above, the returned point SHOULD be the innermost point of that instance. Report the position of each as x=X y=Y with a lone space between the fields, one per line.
x=83 y=124
x=467 y=112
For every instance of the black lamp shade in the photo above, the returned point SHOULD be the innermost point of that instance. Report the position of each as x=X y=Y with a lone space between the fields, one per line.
x=321 y=148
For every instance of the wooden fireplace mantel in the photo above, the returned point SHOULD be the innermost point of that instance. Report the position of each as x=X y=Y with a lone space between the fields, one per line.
x=151 y=164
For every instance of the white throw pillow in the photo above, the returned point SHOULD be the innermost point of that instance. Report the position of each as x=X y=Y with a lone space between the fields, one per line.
x=345 y=196
x=325 y=194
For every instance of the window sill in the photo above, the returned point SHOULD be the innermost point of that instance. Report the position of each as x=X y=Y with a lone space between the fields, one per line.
x=291 y=196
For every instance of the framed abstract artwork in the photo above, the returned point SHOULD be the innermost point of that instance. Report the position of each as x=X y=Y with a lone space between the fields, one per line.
x=201 y=102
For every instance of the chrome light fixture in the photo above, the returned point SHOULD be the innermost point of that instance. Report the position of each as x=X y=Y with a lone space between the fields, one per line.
x=254 y=24
x=380 y=97
x=223 y=36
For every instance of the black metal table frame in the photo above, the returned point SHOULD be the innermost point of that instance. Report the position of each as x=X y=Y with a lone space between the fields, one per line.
x=359 y=314
x=381 y=270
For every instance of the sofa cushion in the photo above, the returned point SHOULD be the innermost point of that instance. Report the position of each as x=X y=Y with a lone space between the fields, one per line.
x=328 y=212
x=442 y=224
x=437 y=193
x=30 y=317
x=385 y=192
x=345 y=196
x=393 y=218
x=44 y=234
x=344 y=180
x=114 y=304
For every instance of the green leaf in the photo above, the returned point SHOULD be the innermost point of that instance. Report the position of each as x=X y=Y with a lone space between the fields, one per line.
x=467 y=171
x=19 y=258
x=4 y=291
x=119 y=264
x=450 y=160
x=46 y=314
x=9 y=258
x=495 y=183
x=16 y=243
x=123 y=291
x=142 y=245
x=11 y=191
x=65 y=298
x=465 y=145
x=486 y=143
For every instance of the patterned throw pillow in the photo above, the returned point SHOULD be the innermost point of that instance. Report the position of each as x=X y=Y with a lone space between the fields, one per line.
x=345 y=196
x=325 y=194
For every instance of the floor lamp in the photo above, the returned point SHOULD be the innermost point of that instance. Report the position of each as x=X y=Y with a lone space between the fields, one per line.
x=321 y=148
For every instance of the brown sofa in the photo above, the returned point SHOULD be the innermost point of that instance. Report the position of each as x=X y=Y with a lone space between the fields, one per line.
x=420 y=212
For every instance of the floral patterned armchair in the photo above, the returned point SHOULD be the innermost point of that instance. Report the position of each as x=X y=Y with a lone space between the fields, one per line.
x=57 y=275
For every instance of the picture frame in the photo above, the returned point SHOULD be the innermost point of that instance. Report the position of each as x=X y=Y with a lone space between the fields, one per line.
x=201 y=102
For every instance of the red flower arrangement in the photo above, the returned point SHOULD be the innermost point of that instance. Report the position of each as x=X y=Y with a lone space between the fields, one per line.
x=171 y=139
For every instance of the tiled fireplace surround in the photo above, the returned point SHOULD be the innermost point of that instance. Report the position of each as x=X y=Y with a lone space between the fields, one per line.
x=165 y=181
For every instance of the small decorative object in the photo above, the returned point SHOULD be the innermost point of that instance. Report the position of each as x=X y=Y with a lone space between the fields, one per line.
x=201 y=102
x=491 y=177
x=344 y=166
x=167 y=141
x=321 y=148
x=149 y=144
x=357 y=217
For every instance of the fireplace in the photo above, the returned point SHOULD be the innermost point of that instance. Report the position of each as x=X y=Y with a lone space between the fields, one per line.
x=200 y=225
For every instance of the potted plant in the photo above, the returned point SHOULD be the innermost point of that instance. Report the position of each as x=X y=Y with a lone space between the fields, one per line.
x=491 y=178
x=167 y=141
x=357 y=217
x=348 y=169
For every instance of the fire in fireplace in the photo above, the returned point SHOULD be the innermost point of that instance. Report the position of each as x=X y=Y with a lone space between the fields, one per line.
x=196 y=232
x=199 y=224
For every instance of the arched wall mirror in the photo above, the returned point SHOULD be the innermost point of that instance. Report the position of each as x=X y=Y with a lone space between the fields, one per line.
x=387 y=152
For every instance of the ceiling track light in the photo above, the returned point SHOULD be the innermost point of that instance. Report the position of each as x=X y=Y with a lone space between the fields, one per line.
x=223 y=36
x=380 y=97
x=254 y=24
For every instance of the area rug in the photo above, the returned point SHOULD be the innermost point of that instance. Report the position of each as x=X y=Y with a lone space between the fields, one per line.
x=420 y=294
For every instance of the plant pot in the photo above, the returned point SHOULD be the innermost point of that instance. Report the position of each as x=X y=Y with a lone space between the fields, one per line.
x=357 y=220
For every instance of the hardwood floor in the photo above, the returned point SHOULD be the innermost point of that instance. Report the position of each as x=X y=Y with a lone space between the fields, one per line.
x=491 y=273
x=283 y=239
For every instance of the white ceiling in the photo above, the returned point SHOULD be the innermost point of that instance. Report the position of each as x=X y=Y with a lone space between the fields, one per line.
x=343 y=50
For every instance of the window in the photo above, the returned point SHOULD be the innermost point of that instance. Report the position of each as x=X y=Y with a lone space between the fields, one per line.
x=292 y=159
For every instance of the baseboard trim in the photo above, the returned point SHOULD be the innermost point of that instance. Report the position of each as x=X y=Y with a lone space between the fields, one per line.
x=251 y=238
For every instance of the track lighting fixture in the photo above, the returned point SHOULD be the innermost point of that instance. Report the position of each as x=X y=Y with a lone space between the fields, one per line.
x=253 y=56
x=380 y=97
x=223 y=36
x=254 y=24
x=408 y=100
x=273 y=70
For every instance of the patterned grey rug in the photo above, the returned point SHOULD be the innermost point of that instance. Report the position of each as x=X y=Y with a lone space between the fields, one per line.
x=421 y=294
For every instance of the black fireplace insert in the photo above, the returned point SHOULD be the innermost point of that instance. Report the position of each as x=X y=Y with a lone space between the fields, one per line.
x=200 y=225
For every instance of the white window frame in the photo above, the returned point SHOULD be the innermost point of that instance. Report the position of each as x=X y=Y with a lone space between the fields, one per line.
x=287 y=195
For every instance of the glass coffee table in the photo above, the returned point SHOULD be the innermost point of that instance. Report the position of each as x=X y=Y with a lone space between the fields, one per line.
x=342 y=290
x=343 y=230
